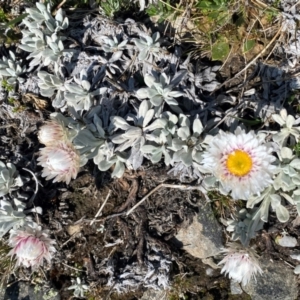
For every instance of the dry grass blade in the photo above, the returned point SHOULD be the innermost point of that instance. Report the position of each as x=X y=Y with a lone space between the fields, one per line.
x=6 y=264
x=252 y=61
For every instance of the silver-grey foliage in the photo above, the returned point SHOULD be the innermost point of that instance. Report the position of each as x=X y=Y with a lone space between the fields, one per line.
x=112 y=44
x=80 y=94
x=148 y=47
x=244 y=225
x=12 y=69
x=53 y=85
x=42 y=37
x=9 y=178
x=187 y=141
x=11 y=217
x=159 y=90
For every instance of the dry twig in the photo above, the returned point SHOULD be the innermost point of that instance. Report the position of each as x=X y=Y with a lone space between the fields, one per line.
x=101 y=208
x=172 y=186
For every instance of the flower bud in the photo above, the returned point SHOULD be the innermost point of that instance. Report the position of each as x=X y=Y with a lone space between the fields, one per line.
x=31 y=246
x=51 y=132
x=60 y=161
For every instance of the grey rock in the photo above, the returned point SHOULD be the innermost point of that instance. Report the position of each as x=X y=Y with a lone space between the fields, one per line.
x=297 y=270
x=295 y=255
x=154 y=295
x=24 y=291
x=202 y=238
x=276 y=283
x=235 y=288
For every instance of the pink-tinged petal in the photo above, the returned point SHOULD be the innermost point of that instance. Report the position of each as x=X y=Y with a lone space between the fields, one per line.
x=60 y=161
x=51 y=132
x=30 y=246
x=240 y=264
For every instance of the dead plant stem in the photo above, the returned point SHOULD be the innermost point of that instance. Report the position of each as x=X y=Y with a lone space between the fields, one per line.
x=175 y=8
x=59 y=6
x=76 y=269
x=101 y=208
x=171 y=186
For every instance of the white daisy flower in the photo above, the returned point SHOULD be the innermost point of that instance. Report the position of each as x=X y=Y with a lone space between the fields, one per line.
x=239 y=263
x=240 y=162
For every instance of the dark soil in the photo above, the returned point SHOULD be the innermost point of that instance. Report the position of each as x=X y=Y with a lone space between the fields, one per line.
x=156 y=221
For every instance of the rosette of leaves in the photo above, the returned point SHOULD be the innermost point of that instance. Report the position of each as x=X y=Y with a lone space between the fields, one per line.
x=134 y=136
x=55 y=50
x=111 y=158
x=288 y=130
x=243 y=226
x=110 y=63
x=159 y=141
x=111 y=45
x=93 y=142
x=11 y=70
x=51 y=84
x=14 y=217
x=80 y=94
x=148 y=47
x=160 y=89
x=288 y=177
x=41 y=38
x=44 y=48
x=187 y=144
x=9 y=178
x=34 y=41
x=42 y=15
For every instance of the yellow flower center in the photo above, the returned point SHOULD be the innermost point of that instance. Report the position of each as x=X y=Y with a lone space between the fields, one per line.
x=239 y=163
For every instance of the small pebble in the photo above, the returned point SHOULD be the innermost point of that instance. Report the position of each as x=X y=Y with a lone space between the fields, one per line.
x=286 y=241
x=209 y=272
x=295 y=255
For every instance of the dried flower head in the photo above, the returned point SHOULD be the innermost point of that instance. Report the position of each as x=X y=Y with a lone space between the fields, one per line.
x=31 y=245
x=60 y=161
x=240 y=162
x=51 y=132
x=239 y=263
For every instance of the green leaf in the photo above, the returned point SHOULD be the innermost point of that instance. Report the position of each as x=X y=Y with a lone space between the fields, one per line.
x=17 y=20
x=248 y=45
x=252 y=122
x=220 y=51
